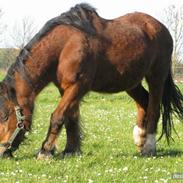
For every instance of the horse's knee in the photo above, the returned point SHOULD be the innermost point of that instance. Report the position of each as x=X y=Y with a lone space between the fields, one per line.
x=56 y=123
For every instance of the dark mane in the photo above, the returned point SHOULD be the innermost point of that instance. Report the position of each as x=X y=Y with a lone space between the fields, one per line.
x=77 y=16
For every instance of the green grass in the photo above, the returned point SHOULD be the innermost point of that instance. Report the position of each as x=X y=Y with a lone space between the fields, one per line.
x=109 y=154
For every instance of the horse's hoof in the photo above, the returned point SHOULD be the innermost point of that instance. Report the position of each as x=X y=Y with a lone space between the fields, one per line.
x=149 y=148
x=6 y=154
x=65 y=153
x=44 y=155
x=148 y=152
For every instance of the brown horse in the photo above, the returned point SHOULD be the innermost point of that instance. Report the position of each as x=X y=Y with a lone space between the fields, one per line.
x=79 y=51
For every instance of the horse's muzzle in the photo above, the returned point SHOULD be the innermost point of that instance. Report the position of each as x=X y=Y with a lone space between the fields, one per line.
x=5 y=153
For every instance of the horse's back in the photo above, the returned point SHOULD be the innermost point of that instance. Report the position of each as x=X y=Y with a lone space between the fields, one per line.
x=153 y=29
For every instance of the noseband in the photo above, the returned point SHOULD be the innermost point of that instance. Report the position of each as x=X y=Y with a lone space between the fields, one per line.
x=20 y=126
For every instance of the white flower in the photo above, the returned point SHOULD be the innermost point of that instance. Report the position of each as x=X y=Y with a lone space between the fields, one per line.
x=164 y=180
x=125 y=169
x=110 y=170
x=90 y=181
x=12 y=173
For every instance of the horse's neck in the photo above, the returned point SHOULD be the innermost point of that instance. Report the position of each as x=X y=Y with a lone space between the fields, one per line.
x=37 y=67
x=25 y=94
x=29 y=78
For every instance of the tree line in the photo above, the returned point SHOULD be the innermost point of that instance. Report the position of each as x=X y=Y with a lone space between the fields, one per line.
x=23 y=31
x=18 y=37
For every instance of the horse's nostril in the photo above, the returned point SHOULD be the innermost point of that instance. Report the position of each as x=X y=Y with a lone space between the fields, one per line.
x=2 y=151
x=6 y=154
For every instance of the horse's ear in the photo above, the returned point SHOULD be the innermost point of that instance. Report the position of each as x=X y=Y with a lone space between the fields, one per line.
x=3 y=88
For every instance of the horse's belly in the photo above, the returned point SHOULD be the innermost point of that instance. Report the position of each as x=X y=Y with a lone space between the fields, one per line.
x=111 y=82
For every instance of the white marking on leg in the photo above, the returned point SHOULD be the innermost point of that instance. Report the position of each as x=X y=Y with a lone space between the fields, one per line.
x=138 y=135
x=149 y=147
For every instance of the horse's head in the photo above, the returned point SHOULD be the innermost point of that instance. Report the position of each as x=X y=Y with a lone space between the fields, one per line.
x=9 y=140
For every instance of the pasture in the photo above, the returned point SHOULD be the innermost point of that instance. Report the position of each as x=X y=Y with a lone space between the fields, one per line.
x=109 y=154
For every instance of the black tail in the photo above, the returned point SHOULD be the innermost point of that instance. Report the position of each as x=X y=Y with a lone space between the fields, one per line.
x=172 y=103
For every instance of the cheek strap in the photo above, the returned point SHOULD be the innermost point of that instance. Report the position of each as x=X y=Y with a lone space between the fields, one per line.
x=20 y=126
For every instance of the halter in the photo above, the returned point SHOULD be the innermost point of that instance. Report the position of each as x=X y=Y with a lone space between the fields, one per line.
x=20 y=126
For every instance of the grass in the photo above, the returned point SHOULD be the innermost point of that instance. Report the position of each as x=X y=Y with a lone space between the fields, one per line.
x=109 y=154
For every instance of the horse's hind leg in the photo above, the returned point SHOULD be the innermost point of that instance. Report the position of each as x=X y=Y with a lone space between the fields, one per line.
x=140 y=95
x=153 y=114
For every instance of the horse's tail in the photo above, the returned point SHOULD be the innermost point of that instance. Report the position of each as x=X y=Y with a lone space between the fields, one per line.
x=172 y=103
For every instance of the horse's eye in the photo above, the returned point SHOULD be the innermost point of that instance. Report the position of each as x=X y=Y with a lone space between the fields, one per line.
x=4 y=117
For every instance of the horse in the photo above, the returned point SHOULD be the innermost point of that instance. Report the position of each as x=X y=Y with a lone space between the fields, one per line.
x=79 y=51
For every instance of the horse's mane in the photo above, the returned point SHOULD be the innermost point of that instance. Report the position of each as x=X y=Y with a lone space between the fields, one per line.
x=77 y=16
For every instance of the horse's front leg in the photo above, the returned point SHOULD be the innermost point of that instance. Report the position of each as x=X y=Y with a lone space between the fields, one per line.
x=73 y=132
x=59 y=117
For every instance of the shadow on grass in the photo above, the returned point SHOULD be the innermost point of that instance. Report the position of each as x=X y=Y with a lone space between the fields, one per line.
x=163 y=153
x=171 y=153
x=130 y=154
x=16 y=158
